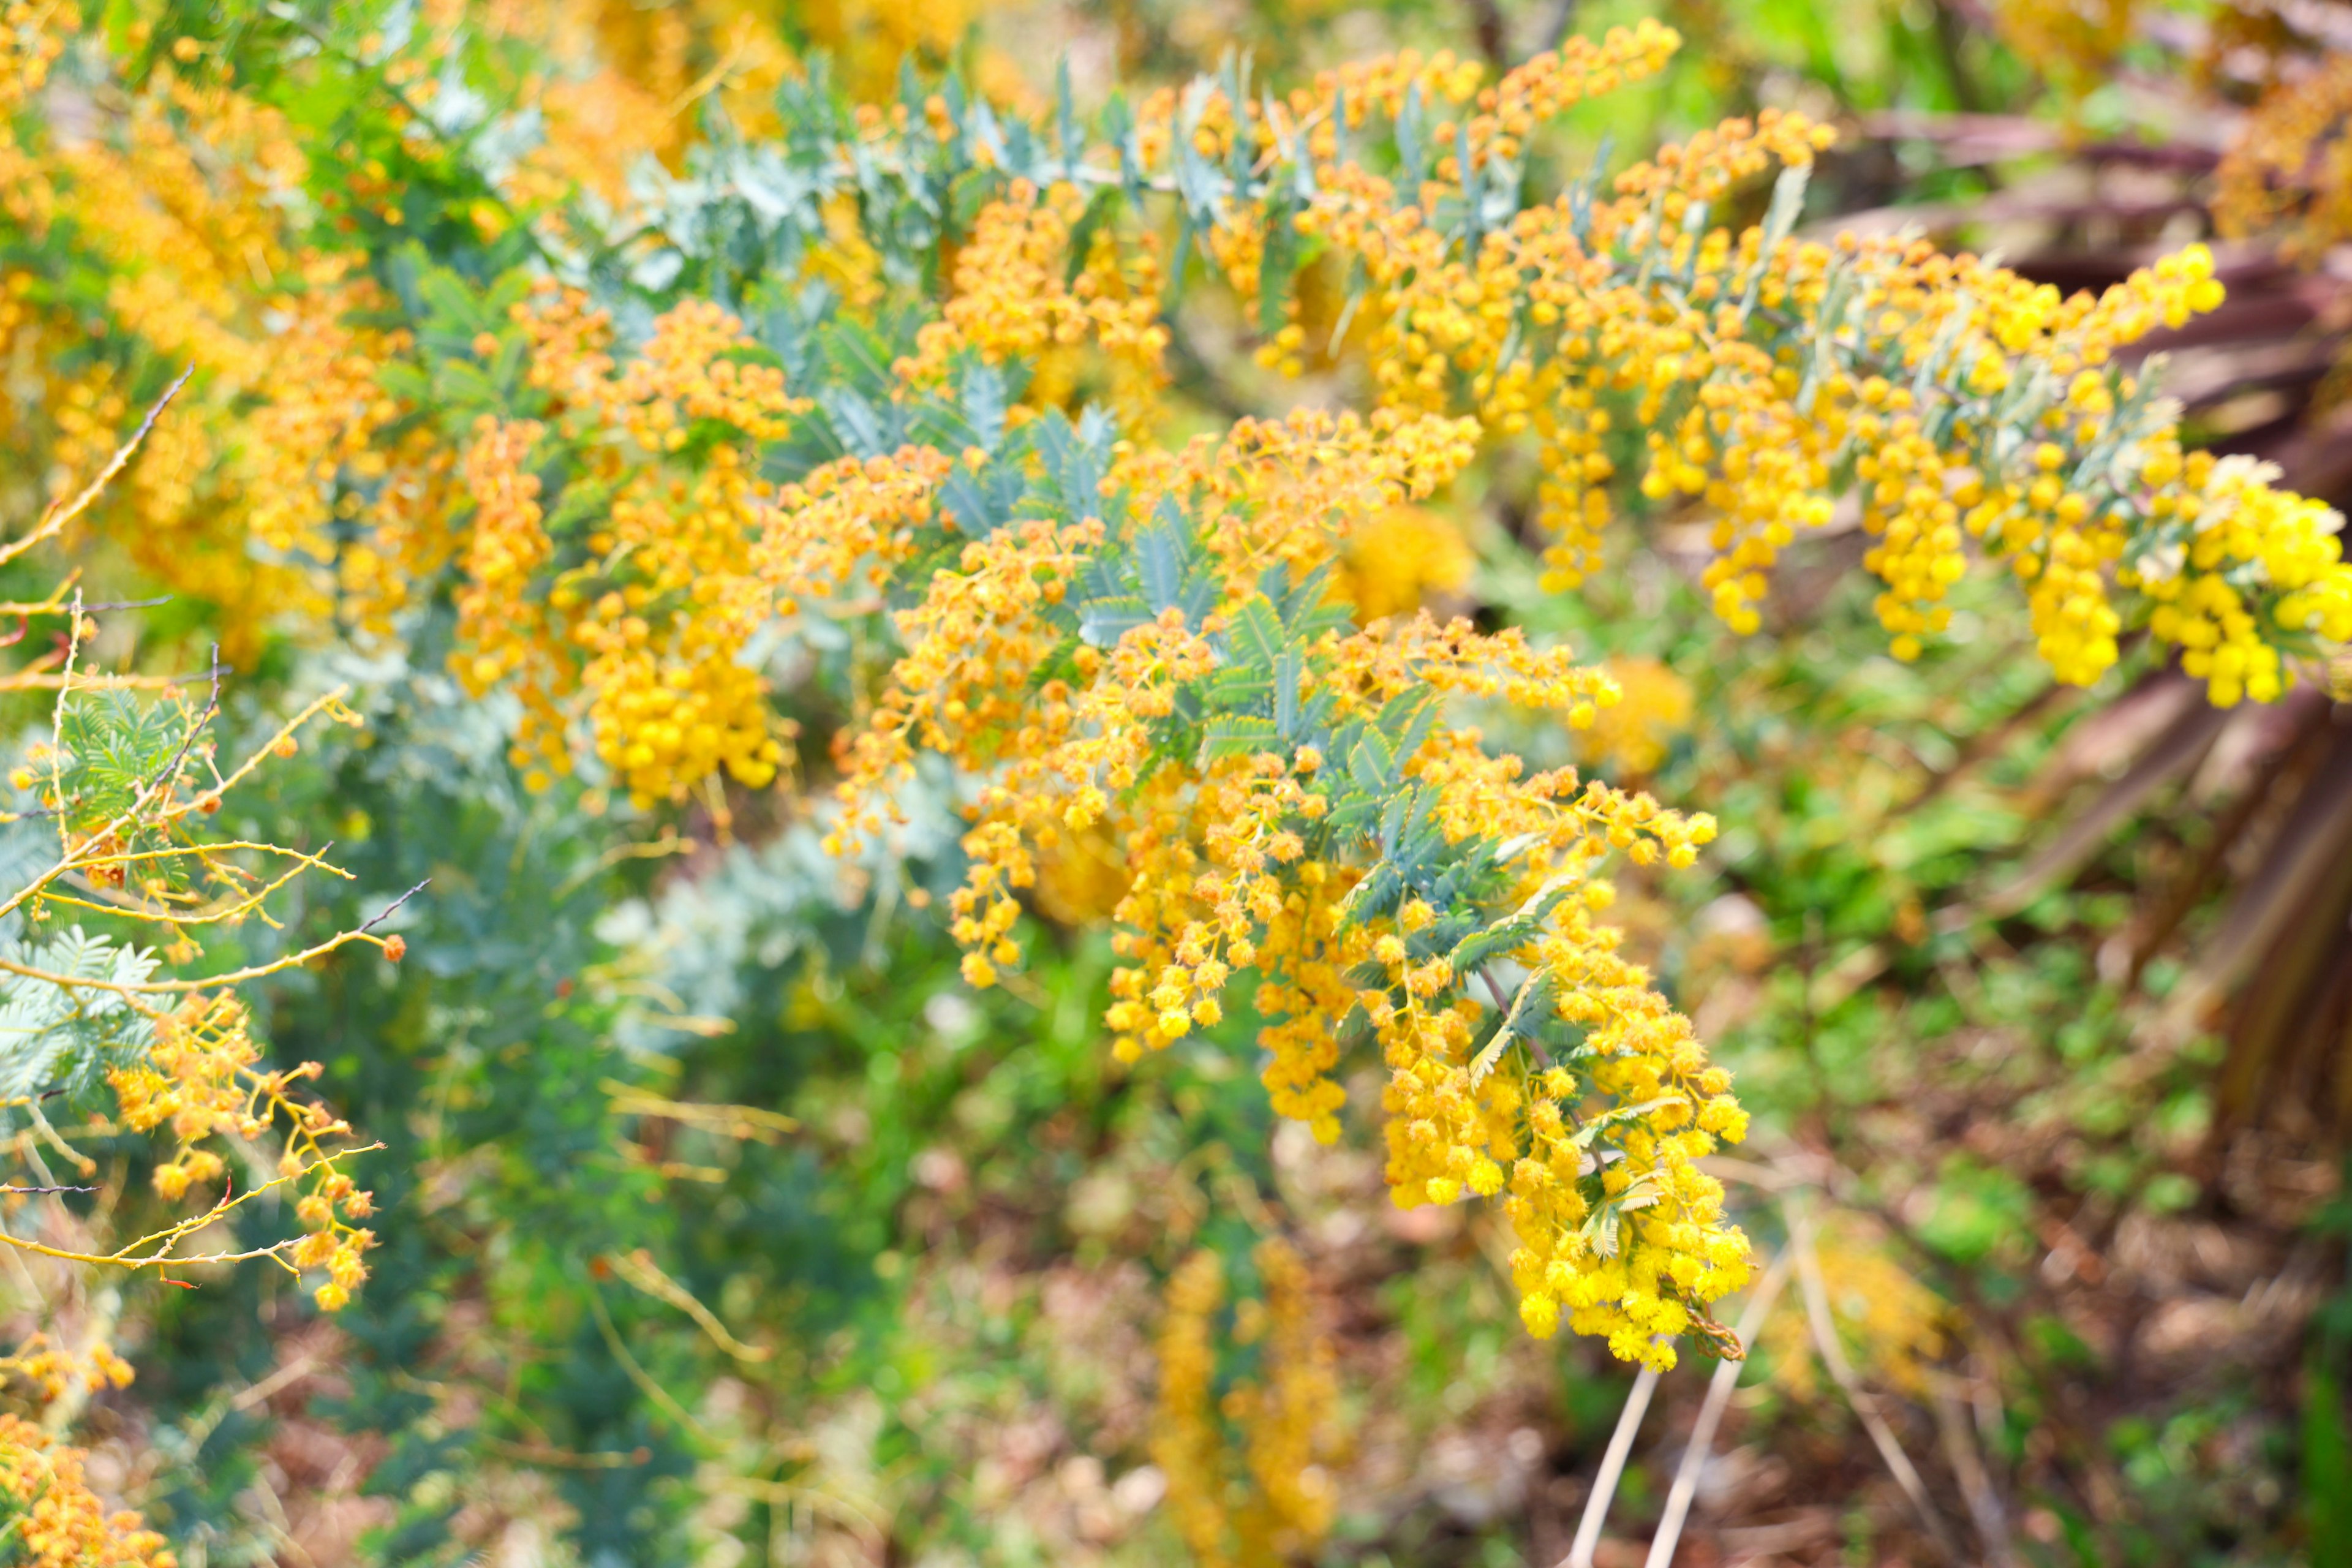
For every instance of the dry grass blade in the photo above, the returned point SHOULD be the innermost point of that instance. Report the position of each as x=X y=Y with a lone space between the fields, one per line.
x=2175 y=752
x=1976 y=1484
x=1612 y=1466
x=1711 y=1415
x=1865 y=1407
x=2286 y=888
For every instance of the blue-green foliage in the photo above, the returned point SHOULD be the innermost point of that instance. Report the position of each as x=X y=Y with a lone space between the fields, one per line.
x=110 y=753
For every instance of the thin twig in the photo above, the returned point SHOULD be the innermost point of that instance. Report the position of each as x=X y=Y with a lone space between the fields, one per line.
x=206 y=982
x=1613 y=1465
x=1832 y=1354
x=1710 y=1415
x=56 y=517
x=386 y=912
x=640 y=1270
x=572 y=1458
x=662 y=1397
x=1975 y=1483
x=74 y=855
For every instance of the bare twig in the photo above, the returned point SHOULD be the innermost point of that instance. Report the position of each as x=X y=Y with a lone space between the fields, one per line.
x=1710 y=1415
x=663 y=1399
x=56 y=517
x=1613 y=1465
x=640 y=1270
x=162 y=1241
x=259 y=1393
x=206 y=982
x=572 y=1459
x=1832 y=1354
x=1976 y=1484
x=386 y=912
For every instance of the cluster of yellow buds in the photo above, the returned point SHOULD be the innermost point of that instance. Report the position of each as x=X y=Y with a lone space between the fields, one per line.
x=1018 y=299
x=1396 y=559
x=1278 y=1503
x=183 y=198
x=199 y=1075
x=1282 y=491
x=2289 y=173
x=1219 y=878
x=1222 y=881
x=642 y=638
x=1633 y=737
x=504 y=553
x=1187 y=1442
x=59 y=1521
x=2076 y=41
x=32 y=36
x=2228 y=519
x=1282 y=789
x=1767 y=375
x=53 y=1371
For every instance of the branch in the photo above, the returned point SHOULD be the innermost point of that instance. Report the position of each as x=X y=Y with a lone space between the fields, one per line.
x=1976 y=1484
x=1493 y=33
x=206 y=982
x=56 y=517
x=385 y=913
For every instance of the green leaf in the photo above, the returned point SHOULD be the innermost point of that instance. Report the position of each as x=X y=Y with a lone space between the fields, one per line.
x=1407 y=718
x=1238 y=688
x=985 y=403
x=1255 y=634
x=1277 y=265
x=1376 y=895
x=1159 y=552
x=1238 y=736
x=1519 y=927
x=1618 y=1115
x=1289 y=670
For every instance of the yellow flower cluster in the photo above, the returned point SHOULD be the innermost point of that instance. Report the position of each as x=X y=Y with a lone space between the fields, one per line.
x=1221 y=881
x=2233 y=45
x=32 y=36
x=53 y=1370
x=1269 y=492
x=2288 y=176
x=1277 y=1504
x=635 y=618
x=1011 y=302
x=201 y=1075
x=180 y=199
x=2231 y=526
x=1265 y=493
x=1399 y=558
x=1894 y=1326
x=1762 y=371
x=616 y=552
x=2076 y=41
x=57 y=1519
x=1633 y=737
